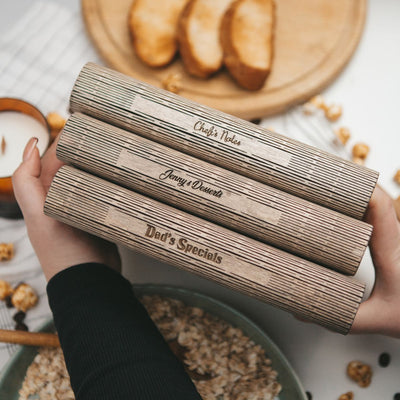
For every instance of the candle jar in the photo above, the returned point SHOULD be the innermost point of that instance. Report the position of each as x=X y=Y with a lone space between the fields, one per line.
x=19 y=121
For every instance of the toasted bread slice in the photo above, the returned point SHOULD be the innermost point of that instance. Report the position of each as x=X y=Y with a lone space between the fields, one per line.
x=247 y=41
x=199 y=36
x=153 y=27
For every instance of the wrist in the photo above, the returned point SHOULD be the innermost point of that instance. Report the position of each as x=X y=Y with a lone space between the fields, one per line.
x=59 y=247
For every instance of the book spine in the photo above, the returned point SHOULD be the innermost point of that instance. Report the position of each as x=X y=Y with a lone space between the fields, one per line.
x=211 y=251
x=247 y=206
x=224 y=140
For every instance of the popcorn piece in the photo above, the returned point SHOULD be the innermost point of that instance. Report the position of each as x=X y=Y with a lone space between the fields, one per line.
x=318 y=102
x=56 y=121
x=360 y=373
x=360 y=150
x=343 y=134
x=6 y=251
x=5 y=290
x=24 y=297
x=347 y=396
x=333 y=112
x=309 y=108
x=397 y=177
x=172 y=83
x=358 y=160
x=3 y=145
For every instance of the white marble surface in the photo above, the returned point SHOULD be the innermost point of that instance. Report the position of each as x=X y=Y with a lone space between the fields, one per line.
x=368 y=89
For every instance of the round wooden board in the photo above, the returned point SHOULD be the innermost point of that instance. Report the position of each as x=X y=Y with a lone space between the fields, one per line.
x=314 y=39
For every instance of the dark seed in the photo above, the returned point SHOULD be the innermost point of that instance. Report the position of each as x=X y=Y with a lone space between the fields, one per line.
x=384 y=359
x=20 y=326
x=396 y=396
x=8 y=301
x=19 y=316
x=256 y=121
x=309 y=395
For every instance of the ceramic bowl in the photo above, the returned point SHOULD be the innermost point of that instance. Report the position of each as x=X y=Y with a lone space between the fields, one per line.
x=14 y=372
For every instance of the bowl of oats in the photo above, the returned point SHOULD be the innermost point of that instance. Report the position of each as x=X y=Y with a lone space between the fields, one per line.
x=226 y=355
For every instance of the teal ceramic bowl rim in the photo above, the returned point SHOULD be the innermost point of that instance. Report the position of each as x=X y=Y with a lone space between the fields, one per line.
x=213 y=306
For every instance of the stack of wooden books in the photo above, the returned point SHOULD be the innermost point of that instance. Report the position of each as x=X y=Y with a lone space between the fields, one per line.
x=215 y=195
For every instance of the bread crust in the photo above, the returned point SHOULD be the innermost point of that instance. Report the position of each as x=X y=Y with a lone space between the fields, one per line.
x=245 y=74
x=153 y=28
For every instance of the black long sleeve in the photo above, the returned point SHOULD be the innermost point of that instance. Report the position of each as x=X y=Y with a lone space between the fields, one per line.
x=112 y=348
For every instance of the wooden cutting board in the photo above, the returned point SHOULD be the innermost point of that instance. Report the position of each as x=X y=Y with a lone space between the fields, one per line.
x=314 y=39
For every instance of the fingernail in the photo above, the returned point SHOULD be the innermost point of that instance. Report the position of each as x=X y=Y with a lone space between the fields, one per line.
x=30 y=146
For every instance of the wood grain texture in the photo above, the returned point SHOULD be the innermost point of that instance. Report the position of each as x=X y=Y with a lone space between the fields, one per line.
x=39 y=339
x=247 y=206
x=224 y=140
x=314 y=39
x=193 y=244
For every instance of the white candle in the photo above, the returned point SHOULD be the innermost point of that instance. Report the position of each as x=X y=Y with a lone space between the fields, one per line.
x=16 y=129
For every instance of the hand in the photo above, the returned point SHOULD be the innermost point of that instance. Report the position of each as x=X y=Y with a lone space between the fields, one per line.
x=58 y=246
x=380 y=313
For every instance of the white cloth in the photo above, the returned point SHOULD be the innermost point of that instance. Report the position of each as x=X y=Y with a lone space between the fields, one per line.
x=42 y=55
x=40 y=59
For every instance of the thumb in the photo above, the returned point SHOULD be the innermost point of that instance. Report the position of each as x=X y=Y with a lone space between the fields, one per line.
x=27 y=186
x=385 y=239
x=380 y=312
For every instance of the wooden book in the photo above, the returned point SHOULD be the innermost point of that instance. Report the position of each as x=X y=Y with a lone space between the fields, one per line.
x=224 y=140
x=211 y=251
x=239 y=203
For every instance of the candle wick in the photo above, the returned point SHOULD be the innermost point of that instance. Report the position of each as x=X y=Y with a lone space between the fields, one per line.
x=3 y=145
